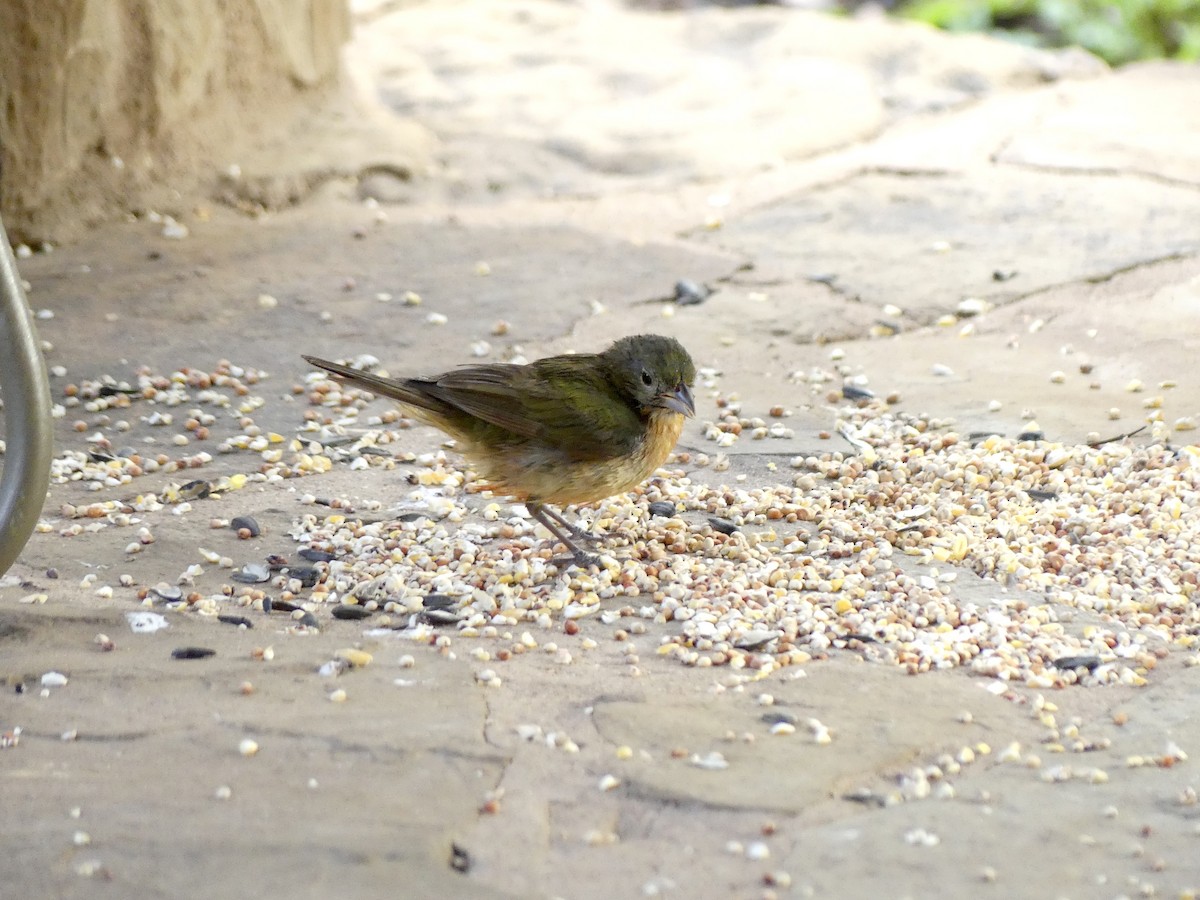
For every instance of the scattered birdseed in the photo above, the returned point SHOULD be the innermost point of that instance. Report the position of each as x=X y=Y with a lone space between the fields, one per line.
x=141 y=622
x=722 y=525
x=316 y=556
x=252 y=573
x=174 y=230
x=972 y=306
x=689 y=293
x=192 y=653
x=757 y=850
x=919 y=837
x=915 y=785
x=488 y=677
x=169 y=592
x=713 y=760
x=778 y=879
x=92 y=868
x=819 y=731
x=247 y=524
x=353 y=658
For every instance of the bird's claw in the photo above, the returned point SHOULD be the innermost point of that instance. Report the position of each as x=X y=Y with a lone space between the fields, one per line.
x=586 y=537
x=580 y=558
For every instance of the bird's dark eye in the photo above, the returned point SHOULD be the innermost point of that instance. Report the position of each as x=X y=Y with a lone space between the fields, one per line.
x=646 y=379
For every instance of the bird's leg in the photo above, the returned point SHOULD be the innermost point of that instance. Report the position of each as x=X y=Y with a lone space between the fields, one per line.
x=562 y=530
x=574 y=530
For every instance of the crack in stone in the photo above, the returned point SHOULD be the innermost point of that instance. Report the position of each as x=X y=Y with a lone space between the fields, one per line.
x=1092 y=172
x=97 y=738
x=1100 y=278
x=1132 y=267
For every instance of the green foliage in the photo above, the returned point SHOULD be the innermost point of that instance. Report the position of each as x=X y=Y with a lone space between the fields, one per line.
x=1119 y=31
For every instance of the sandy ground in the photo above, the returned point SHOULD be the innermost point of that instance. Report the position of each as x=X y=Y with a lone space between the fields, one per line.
x=916 y=171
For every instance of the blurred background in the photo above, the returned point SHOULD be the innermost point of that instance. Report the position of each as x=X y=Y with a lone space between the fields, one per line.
x=112 y=108
x=1119 y=32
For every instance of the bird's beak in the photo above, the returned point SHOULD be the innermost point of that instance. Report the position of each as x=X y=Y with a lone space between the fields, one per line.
x=679 y=400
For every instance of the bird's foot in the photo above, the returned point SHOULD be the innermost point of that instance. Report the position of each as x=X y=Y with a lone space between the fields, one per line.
x=574 y=531
x=578 y=558
x=586 y=537
x=566 y=533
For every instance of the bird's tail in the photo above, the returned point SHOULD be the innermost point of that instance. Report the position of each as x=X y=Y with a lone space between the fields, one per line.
x=406 y=391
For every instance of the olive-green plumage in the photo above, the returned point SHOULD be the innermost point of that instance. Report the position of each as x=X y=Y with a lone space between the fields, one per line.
x=561 y=430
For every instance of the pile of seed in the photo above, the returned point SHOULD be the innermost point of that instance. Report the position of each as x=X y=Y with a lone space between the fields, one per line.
x=861 y=552
x=1090 y=551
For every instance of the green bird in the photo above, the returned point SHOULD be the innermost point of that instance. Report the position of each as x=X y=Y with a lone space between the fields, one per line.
x=562 y=430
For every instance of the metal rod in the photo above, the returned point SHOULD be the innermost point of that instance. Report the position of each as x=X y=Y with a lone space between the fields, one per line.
x=25 y=391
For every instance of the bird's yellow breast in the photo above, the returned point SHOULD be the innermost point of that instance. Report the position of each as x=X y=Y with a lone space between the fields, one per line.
x=549 y=478
x=661 y=437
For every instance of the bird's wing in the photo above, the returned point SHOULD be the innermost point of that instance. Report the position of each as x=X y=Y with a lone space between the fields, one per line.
x=566 y=402
x=488 y=392
x=405 y=390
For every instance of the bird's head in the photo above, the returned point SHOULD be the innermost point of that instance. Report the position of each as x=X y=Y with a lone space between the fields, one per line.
x=653 y=371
